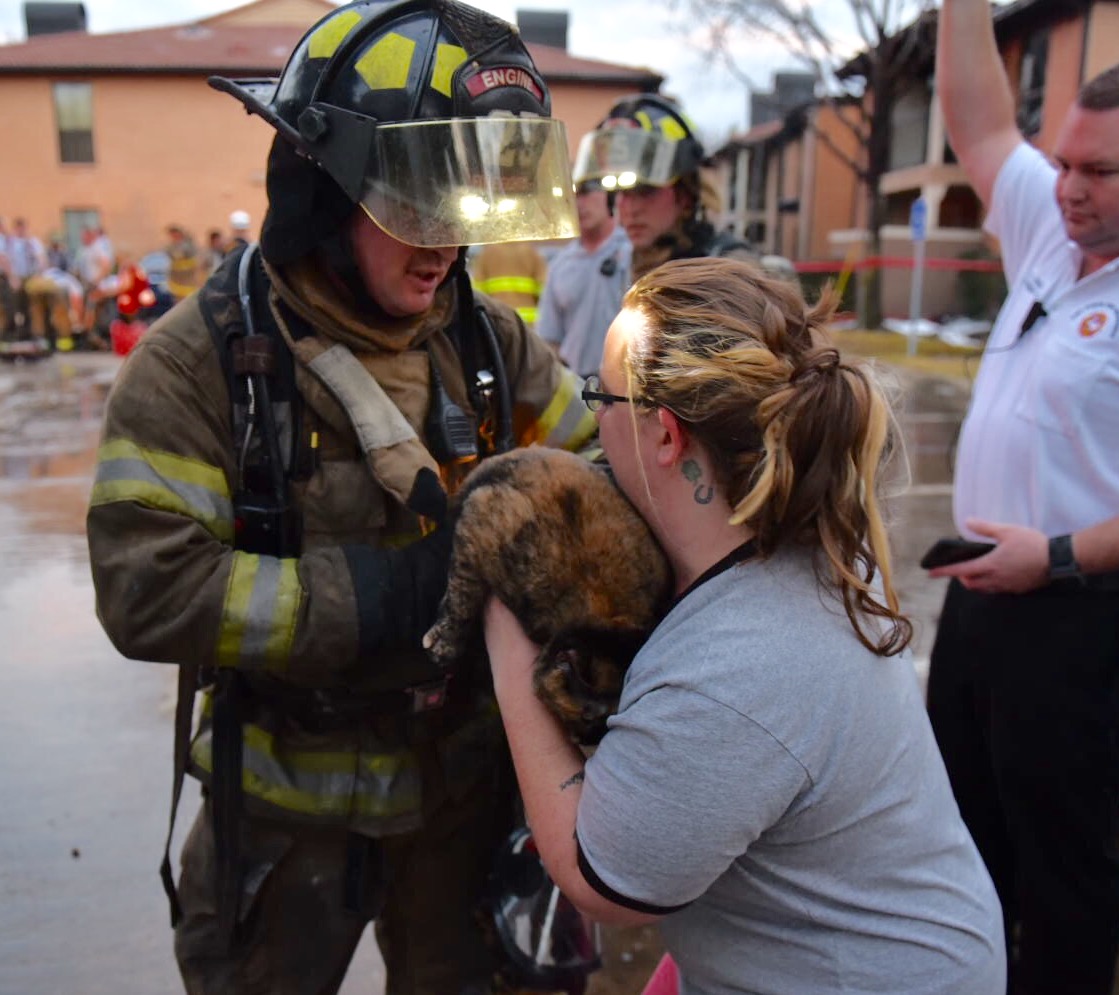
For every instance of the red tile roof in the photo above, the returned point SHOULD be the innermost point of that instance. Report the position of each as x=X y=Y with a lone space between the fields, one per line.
x=245 y=50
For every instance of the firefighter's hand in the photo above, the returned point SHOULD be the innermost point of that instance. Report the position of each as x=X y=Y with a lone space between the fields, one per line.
x=398 y=590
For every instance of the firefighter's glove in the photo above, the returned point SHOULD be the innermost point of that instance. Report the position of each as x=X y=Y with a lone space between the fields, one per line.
x=398 y=590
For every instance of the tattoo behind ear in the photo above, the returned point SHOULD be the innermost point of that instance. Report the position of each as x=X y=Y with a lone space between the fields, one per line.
x=703 y=492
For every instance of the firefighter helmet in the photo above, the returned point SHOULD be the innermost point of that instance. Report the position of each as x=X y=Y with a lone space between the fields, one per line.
x=644 y=140
x=547 y=942
x=431 y=115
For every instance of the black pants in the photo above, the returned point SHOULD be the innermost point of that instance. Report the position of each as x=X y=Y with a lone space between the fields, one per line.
x=1024 y=700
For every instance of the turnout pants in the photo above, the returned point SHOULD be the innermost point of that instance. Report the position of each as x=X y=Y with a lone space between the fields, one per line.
x=1024 y=700
x=310 y=891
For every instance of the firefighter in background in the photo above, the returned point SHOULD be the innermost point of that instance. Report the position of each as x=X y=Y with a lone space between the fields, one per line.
x=268 y=510
x=513 y=273
x=646 y=152
x=185 y=268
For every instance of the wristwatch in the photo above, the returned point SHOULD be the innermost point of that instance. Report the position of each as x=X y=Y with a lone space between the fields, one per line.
x=1062 y=562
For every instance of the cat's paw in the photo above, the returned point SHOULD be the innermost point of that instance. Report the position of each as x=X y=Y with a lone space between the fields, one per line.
x=438 y=647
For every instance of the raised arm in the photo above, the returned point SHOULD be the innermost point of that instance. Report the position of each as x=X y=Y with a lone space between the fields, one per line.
x=975 y=92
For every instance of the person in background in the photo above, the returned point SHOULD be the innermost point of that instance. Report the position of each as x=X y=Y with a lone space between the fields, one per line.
x=58 y=257
x=26 y=259
x=1024 y=676
x=240 y=228
x=586 y=280
x=647 y=153
x=96 y=266
x=7 y=294
x=183 y=275
x=513 y=273
x=215 y=250
x=269 y=510
x=769 y=790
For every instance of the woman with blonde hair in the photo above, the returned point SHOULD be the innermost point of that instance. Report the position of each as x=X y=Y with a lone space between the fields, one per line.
x=769 y=790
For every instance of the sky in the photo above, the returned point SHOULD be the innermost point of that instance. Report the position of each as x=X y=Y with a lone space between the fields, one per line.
x=640 y=33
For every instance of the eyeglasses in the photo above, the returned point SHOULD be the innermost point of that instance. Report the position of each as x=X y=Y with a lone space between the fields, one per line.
x=594 y=397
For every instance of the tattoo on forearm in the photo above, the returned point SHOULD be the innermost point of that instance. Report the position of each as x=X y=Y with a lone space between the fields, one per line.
x=576 y=778
x=703 y=492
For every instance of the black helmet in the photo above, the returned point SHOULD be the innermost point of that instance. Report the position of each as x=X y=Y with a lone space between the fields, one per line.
x=431 y=115
x=548 y=944
x=644 y=140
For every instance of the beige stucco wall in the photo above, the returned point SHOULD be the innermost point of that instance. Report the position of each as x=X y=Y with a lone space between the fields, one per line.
x=167 y=149
x=1101 y=50
x=1062 y=78
x=834 y=200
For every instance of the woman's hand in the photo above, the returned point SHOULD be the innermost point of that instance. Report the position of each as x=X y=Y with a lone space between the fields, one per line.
x=512 y=654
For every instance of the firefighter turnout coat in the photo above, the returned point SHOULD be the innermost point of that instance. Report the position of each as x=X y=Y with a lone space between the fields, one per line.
x=172 y=587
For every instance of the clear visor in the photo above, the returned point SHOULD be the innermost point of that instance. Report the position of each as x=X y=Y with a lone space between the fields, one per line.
x=545 y=936
x=626 y=157
x=548 y=936
x=471 y=181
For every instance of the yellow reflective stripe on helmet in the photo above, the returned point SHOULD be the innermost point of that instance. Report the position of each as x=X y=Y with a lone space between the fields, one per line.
x=325 y=41
x=385 y=64
x=528 y=314
x=447 y=59
x=567 y=422
x=166 y=482
x=337 y=784
x=672 y=128
x=511 y=285
x=262 y=602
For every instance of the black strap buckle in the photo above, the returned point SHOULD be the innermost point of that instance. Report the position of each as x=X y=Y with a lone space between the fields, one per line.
x=431 y=695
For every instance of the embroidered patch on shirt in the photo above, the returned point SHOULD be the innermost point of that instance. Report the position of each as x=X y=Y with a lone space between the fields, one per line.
x=1097 y=319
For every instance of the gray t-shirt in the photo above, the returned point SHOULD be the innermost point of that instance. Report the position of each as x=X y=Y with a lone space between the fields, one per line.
x=582 y=296
x=768 y=769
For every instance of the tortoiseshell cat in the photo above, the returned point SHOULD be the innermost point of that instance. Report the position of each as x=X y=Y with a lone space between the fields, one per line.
x=552 y=536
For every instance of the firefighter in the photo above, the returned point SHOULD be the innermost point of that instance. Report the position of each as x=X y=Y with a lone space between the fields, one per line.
x=268 y=510
x=645 y=151
x=513 y=273
x=185 y=266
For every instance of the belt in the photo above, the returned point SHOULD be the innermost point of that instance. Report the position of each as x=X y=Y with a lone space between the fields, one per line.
x=324 y=711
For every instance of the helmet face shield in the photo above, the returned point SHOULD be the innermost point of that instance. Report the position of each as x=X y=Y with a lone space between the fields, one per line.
x=547 y=940
x=470 y=181
x=623 y=157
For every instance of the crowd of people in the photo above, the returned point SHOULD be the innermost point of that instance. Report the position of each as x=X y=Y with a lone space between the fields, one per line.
x=52 y=298
x=270 y=513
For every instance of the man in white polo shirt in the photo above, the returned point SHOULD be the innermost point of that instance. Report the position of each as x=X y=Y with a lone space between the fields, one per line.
x=586 y=281
x=1024 y=680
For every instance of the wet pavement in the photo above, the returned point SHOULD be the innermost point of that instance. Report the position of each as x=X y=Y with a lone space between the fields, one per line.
x=85 y=735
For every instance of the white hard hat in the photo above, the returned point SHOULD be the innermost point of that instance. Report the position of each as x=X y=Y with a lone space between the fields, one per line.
x=240 y=220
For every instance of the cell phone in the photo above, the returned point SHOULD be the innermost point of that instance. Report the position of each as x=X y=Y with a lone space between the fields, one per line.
x=944 y=552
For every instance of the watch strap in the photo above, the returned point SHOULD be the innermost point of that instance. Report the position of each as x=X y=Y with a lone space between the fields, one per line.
x=1062 y=561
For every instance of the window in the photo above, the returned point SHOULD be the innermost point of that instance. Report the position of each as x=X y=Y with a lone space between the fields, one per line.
x=909 y=122
x=1031 y=83
x=73 y=110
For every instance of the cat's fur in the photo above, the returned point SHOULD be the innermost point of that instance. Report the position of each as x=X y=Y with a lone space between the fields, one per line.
x=551 y=536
